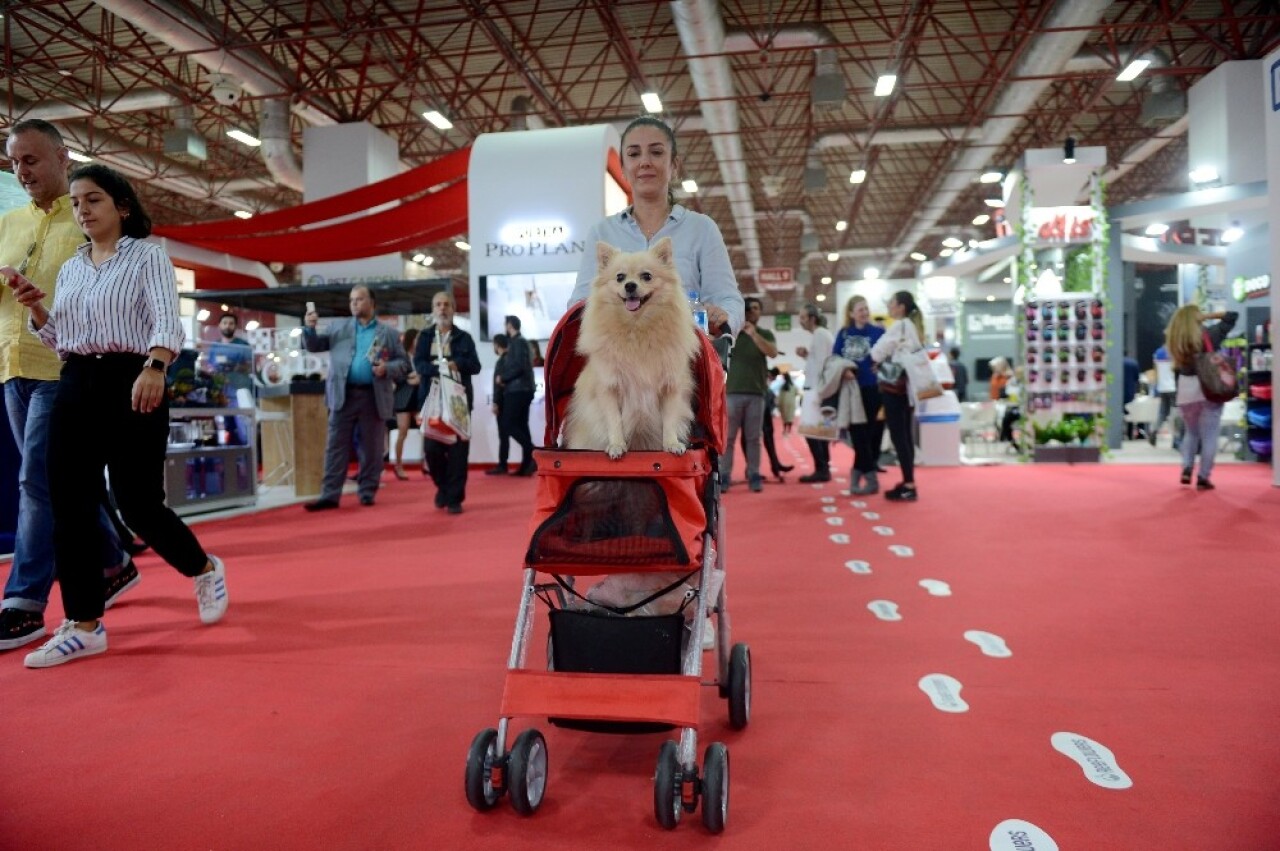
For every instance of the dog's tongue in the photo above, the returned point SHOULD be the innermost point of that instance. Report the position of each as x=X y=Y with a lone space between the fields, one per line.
x=633 y=304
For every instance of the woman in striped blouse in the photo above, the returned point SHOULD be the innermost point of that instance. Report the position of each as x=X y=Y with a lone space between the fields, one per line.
x=114 y=323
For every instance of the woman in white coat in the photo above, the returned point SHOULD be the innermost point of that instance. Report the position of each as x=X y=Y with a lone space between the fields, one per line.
x=906 y=332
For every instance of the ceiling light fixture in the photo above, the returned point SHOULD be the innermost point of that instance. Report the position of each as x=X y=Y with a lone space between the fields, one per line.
x=833 y=256
x=826 y=280
x=946 y=252
x=1156 y=229
x=991 y=177
x=991 y=298
x=252 y=325
x=243 y=214
x=997 y=203
x=427 y=260
x=1132 y=70
x=462 y=245
x=437 y=119
x=689 y=185
x=841 y=225
x=1232 y=233
x=244 y=138
x=981 y=219
x=857 y=175
x=1069 y=151
x=78 y=157
x=918 y=257
x=952 y=242
x=202 y=314
x=884 y=85
x=651 y=101
x=418 y=258
x=820 y=297
x=870 y=273
x=1203 y=174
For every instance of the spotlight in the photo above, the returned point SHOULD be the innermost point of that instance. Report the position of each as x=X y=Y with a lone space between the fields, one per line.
x=1157 y=229
x=1232 y=233
x=1069 y=150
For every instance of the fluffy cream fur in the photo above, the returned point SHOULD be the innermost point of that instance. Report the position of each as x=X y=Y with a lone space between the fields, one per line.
x=639 y=340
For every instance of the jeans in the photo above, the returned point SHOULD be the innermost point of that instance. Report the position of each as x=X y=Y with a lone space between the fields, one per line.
x=866 y=437
x=29 y=403
x=1203 y=422
x=746 y=414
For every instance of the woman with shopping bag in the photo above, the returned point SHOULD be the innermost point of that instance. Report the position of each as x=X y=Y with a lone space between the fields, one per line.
x=445 y=357
x=901 y=347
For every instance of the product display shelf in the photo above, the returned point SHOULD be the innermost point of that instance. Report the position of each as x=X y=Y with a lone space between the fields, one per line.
x=211 y=462
x=1257 y=403
x=1064 y=352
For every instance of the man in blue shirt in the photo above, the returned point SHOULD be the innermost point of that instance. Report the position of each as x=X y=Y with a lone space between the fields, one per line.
x=365 y=361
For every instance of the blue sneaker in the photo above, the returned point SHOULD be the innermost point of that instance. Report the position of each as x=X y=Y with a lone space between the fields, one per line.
x=68 y=644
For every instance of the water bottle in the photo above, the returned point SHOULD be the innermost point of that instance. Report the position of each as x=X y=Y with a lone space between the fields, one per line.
x=699 y=312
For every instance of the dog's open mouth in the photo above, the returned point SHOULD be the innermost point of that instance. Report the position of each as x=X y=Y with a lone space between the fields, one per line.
x=635 y=302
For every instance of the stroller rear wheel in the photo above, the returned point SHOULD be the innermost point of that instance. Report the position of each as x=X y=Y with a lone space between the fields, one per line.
x=528 y=769
x=666 y=786
x=739 y=686
x=482 y=792
x=715 y=787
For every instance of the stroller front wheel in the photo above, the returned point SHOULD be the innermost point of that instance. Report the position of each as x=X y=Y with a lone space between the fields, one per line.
x=666 y=787
x=482 y=792
x=715 y=787
x=528 y=770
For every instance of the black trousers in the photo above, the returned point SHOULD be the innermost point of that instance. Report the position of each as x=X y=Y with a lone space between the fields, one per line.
x=866 y=436
x=821 y=452
x=94 y=428
x=447 y=465
x=504 y=437
x=898 y=414
x=514 y=418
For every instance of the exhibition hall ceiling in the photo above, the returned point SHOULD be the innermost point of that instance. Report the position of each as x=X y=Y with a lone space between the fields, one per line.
x=773 y=101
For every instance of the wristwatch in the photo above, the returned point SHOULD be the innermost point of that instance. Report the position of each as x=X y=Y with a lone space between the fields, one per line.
x=156 y=364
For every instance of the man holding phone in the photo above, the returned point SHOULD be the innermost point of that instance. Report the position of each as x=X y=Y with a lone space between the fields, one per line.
x=365 y=362
x=35 y=240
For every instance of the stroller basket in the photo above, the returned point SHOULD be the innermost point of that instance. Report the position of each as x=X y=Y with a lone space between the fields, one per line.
x=603 y=644
x=594 y=515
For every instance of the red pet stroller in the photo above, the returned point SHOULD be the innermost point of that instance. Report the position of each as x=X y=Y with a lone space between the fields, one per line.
x=609 y=670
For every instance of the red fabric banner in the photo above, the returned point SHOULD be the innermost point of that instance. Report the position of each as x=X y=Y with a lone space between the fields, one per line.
x=443 y=170
x=426 y=219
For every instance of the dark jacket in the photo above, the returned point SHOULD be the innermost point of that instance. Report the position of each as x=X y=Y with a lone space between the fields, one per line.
x=516 y=371
x=462 y=354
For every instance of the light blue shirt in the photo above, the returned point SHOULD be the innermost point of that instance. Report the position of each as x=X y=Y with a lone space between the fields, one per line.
x=701 y=257
x=361 y=367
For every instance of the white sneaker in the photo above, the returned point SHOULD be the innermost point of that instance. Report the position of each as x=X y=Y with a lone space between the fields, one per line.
x=211 y=592
x=68 y=644
x=709 y=634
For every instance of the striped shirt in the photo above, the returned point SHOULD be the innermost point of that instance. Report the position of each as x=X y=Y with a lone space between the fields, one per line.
x=128 y=304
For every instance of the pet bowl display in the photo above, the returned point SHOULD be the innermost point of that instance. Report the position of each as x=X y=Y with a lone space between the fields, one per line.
x=1260 y=446
x=1259 y=418
x=1260 y=391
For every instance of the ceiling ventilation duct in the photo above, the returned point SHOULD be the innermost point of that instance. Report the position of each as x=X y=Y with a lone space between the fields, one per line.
x=815 y=173
x=1165 y=101
x=827 y=89
x=183 y=142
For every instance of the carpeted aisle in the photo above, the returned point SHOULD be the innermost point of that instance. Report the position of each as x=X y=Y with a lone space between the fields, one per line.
x=365 y=647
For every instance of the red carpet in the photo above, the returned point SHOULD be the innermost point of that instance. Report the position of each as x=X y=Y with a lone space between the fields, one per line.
x=365 y=647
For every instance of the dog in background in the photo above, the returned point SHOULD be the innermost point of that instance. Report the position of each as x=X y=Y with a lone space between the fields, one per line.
x=639 y=341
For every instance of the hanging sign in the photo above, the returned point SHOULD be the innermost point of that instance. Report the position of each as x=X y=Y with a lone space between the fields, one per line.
x=775 y=279
x=782 y=322
x=1061 y=224
x=1256 y=287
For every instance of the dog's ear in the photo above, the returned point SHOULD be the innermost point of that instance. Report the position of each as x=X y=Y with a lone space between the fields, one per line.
x=605 y=254
x=662 y=250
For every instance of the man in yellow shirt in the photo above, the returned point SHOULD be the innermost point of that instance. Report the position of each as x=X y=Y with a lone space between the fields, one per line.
x=36 y=240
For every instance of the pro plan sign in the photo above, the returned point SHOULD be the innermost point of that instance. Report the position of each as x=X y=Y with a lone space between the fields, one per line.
x=775 y=279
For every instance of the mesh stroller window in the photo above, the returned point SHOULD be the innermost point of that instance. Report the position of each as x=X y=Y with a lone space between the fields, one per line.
x=625 y=522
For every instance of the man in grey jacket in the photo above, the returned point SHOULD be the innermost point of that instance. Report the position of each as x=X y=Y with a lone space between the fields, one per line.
x=365 y=361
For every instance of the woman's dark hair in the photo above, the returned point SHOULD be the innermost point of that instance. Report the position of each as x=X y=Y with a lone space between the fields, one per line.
x=786 y=380
x=134 y=219
x=650 y=121
x=911 y=310
x=410 y=338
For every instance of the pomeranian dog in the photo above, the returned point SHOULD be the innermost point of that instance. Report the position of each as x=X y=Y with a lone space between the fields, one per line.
x=639 y=341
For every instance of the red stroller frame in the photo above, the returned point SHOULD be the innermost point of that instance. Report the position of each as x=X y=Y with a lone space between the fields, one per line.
x=580 y=528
